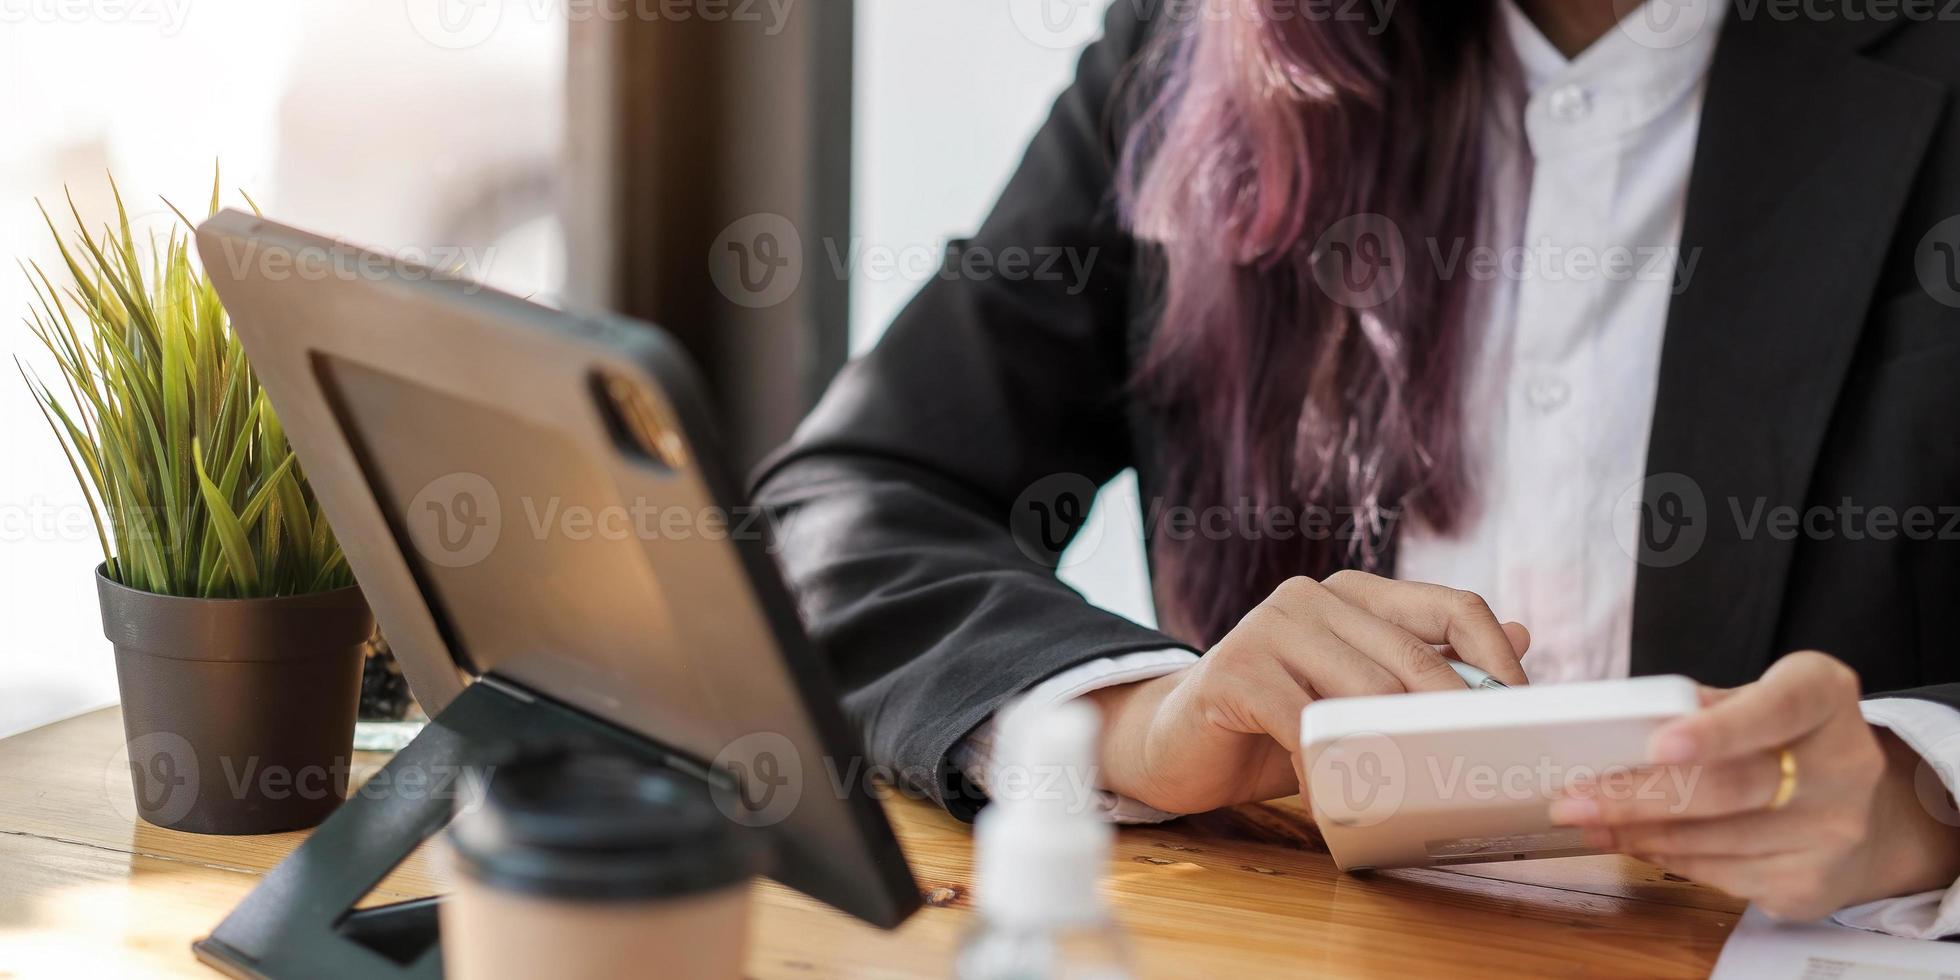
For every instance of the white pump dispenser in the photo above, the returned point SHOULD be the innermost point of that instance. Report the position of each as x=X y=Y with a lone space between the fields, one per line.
x=1042 y=849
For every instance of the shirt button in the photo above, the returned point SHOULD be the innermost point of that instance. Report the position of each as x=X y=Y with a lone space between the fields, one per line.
x=1569 y=103
x=1548 y=394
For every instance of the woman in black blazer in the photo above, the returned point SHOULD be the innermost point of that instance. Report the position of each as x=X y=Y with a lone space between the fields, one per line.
x=1279 y=325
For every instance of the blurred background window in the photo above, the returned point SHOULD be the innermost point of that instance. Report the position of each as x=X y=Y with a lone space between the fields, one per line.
x=436 y=129
x=948 y=94
x=361 y=118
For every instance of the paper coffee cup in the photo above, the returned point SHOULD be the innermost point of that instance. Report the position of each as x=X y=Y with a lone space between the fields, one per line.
x=581 y=865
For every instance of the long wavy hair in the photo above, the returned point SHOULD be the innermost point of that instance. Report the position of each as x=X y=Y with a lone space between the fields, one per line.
x=1273 y=145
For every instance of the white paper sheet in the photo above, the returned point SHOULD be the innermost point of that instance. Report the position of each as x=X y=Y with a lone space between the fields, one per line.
x=1763 y=949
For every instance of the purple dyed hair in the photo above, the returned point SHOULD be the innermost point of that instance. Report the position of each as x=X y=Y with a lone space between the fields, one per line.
x=1267 y=127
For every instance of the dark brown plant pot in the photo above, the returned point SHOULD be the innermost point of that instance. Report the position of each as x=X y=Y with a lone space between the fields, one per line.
x=239 y=713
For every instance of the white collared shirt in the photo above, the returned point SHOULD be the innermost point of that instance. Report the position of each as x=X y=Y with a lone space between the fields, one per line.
x=1583 y=220
x=1585 y=214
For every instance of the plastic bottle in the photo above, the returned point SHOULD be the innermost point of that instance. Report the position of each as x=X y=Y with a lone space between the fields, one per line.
x=1041 y=848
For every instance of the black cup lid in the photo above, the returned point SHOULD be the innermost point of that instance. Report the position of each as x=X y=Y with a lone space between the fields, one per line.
x=591 y=826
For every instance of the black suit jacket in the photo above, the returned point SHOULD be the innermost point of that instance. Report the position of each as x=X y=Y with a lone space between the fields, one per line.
x=1805 y=363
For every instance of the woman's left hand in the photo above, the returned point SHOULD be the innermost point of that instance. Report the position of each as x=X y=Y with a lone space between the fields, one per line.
x=1852 y=831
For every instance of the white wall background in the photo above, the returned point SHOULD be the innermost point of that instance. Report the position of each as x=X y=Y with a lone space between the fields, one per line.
x=148 y=99
x=948 y=94
x=355 y=117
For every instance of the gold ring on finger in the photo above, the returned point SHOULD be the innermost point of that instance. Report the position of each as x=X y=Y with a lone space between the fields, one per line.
x=1786 y=786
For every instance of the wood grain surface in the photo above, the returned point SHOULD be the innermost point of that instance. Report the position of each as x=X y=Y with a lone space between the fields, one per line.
x=87 y=890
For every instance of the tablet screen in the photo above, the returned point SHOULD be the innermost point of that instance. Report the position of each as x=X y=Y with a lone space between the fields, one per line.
x=531 y=563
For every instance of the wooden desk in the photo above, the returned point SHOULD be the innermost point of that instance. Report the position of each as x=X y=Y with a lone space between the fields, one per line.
x=87 y=891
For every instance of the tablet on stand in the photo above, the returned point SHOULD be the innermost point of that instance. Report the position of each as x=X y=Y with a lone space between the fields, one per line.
x=536 y=509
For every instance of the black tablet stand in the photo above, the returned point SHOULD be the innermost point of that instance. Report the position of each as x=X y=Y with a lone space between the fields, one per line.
x=365 y=375
x=301 y=920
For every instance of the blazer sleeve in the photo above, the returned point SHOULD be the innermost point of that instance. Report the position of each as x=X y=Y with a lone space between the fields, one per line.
x=891 y=505
x=1946 y=694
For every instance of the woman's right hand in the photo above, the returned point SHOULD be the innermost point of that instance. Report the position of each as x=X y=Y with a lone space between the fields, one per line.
x=1226 y=729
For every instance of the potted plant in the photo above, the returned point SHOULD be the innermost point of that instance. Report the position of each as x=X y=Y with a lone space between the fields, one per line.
x=238 y=630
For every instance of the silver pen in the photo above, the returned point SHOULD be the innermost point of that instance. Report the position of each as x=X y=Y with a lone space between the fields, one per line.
x=1476 y=677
